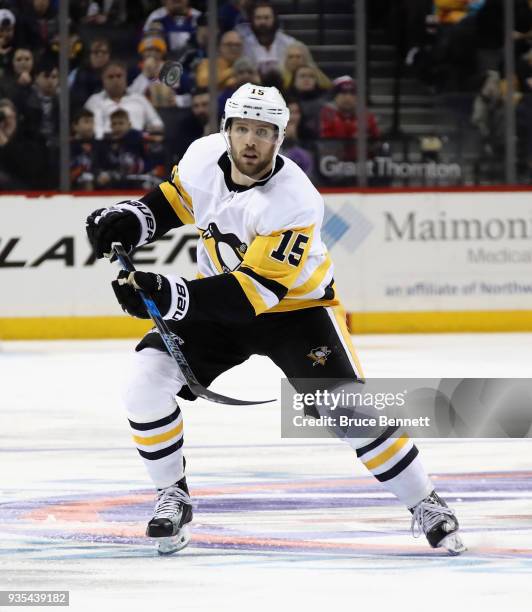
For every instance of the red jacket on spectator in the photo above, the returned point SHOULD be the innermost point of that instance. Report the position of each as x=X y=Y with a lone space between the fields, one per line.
x=334 y=124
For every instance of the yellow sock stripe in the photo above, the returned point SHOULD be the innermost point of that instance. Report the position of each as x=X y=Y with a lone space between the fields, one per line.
x=252 y=293
x=159 y=438
x=388 y=453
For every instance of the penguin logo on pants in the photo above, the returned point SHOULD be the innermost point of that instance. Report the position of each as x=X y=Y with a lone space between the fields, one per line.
x=319 y=355
x=229 y=250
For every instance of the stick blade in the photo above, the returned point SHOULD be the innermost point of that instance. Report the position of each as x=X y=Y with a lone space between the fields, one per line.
x=223 y=399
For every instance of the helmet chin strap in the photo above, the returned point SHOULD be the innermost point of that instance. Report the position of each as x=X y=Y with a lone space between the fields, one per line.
x=274 y=157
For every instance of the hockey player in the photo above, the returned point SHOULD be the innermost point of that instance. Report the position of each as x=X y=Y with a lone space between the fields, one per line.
x=265 y=287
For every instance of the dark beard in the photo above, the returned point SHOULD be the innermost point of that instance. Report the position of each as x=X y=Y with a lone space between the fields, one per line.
x=259 y=170
x=264 y=35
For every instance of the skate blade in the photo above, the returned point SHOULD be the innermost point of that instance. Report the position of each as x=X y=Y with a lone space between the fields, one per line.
x=172 y=544
x=453 y=544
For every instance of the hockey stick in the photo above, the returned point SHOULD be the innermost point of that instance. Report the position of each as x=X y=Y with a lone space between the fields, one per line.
x=171 y=341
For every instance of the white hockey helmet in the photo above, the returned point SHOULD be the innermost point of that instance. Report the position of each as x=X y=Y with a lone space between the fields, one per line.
x=259 y=103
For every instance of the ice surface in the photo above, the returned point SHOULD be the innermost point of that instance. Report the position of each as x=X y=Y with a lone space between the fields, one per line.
x=283 y=524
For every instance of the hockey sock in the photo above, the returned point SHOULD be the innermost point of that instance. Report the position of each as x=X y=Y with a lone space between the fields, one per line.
x=394 y=461
x=159 y=444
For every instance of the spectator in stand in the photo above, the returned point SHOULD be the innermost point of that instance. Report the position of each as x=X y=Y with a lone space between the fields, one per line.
x=7 y=40
x=18 y=81
x=306 y=90
x=524 y=72
x=451 y=11
x=83 y=151
x=298 y=54
x=292 y=146
x=121 y=163
x=42 y=22
x=22 y=161
x=194 y=124
x=245 y=72
x=266 y=44
x=153 y=51
x=233 y=15
x=338 y=119
x=142 y=114
x=75 y=53
x=39 y=112
x=230 y=49
x=87 y=79
x=179 y=23
x=114 y=12
x=488 y=114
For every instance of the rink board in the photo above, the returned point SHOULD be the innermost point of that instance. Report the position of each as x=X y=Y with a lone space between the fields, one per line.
x=404 y=262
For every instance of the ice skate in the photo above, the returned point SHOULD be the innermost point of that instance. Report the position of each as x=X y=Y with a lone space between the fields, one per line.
x=432 y=517
x=173 y=511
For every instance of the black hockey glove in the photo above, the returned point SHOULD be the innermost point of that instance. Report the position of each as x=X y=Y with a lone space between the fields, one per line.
x=170 y=294
x=130 y=222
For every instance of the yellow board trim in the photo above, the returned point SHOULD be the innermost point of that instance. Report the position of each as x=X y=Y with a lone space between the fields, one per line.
x=149 y=440
x=440 y=322
x=55 y=328
x=387 y=454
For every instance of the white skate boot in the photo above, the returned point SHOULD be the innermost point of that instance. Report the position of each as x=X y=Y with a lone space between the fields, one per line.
x=173 y=511
x=432 y=517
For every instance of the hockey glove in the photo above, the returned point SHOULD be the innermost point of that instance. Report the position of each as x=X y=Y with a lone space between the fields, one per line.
x=130 y=222
x=170 y=294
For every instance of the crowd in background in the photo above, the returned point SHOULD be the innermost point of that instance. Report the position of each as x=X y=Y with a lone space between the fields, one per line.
x=457 y=46
x=128 y=128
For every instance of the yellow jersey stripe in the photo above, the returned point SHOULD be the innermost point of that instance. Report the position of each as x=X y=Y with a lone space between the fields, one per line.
x=183 y=192
x=314 y=281
x=149 y=440
x=388 y=453
x=252 y=293
x=170 y=193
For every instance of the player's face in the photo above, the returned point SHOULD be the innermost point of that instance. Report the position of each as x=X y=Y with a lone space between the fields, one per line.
x=252 y=146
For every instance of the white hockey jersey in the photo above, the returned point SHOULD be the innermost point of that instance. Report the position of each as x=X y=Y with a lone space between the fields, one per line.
x=266 y=235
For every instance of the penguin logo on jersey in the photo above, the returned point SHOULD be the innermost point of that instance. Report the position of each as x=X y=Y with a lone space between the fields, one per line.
x=228 y=248
x=319 y=355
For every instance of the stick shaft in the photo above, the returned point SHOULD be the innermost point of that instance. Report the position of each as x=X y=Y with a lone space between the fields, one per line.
x=171 y=341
